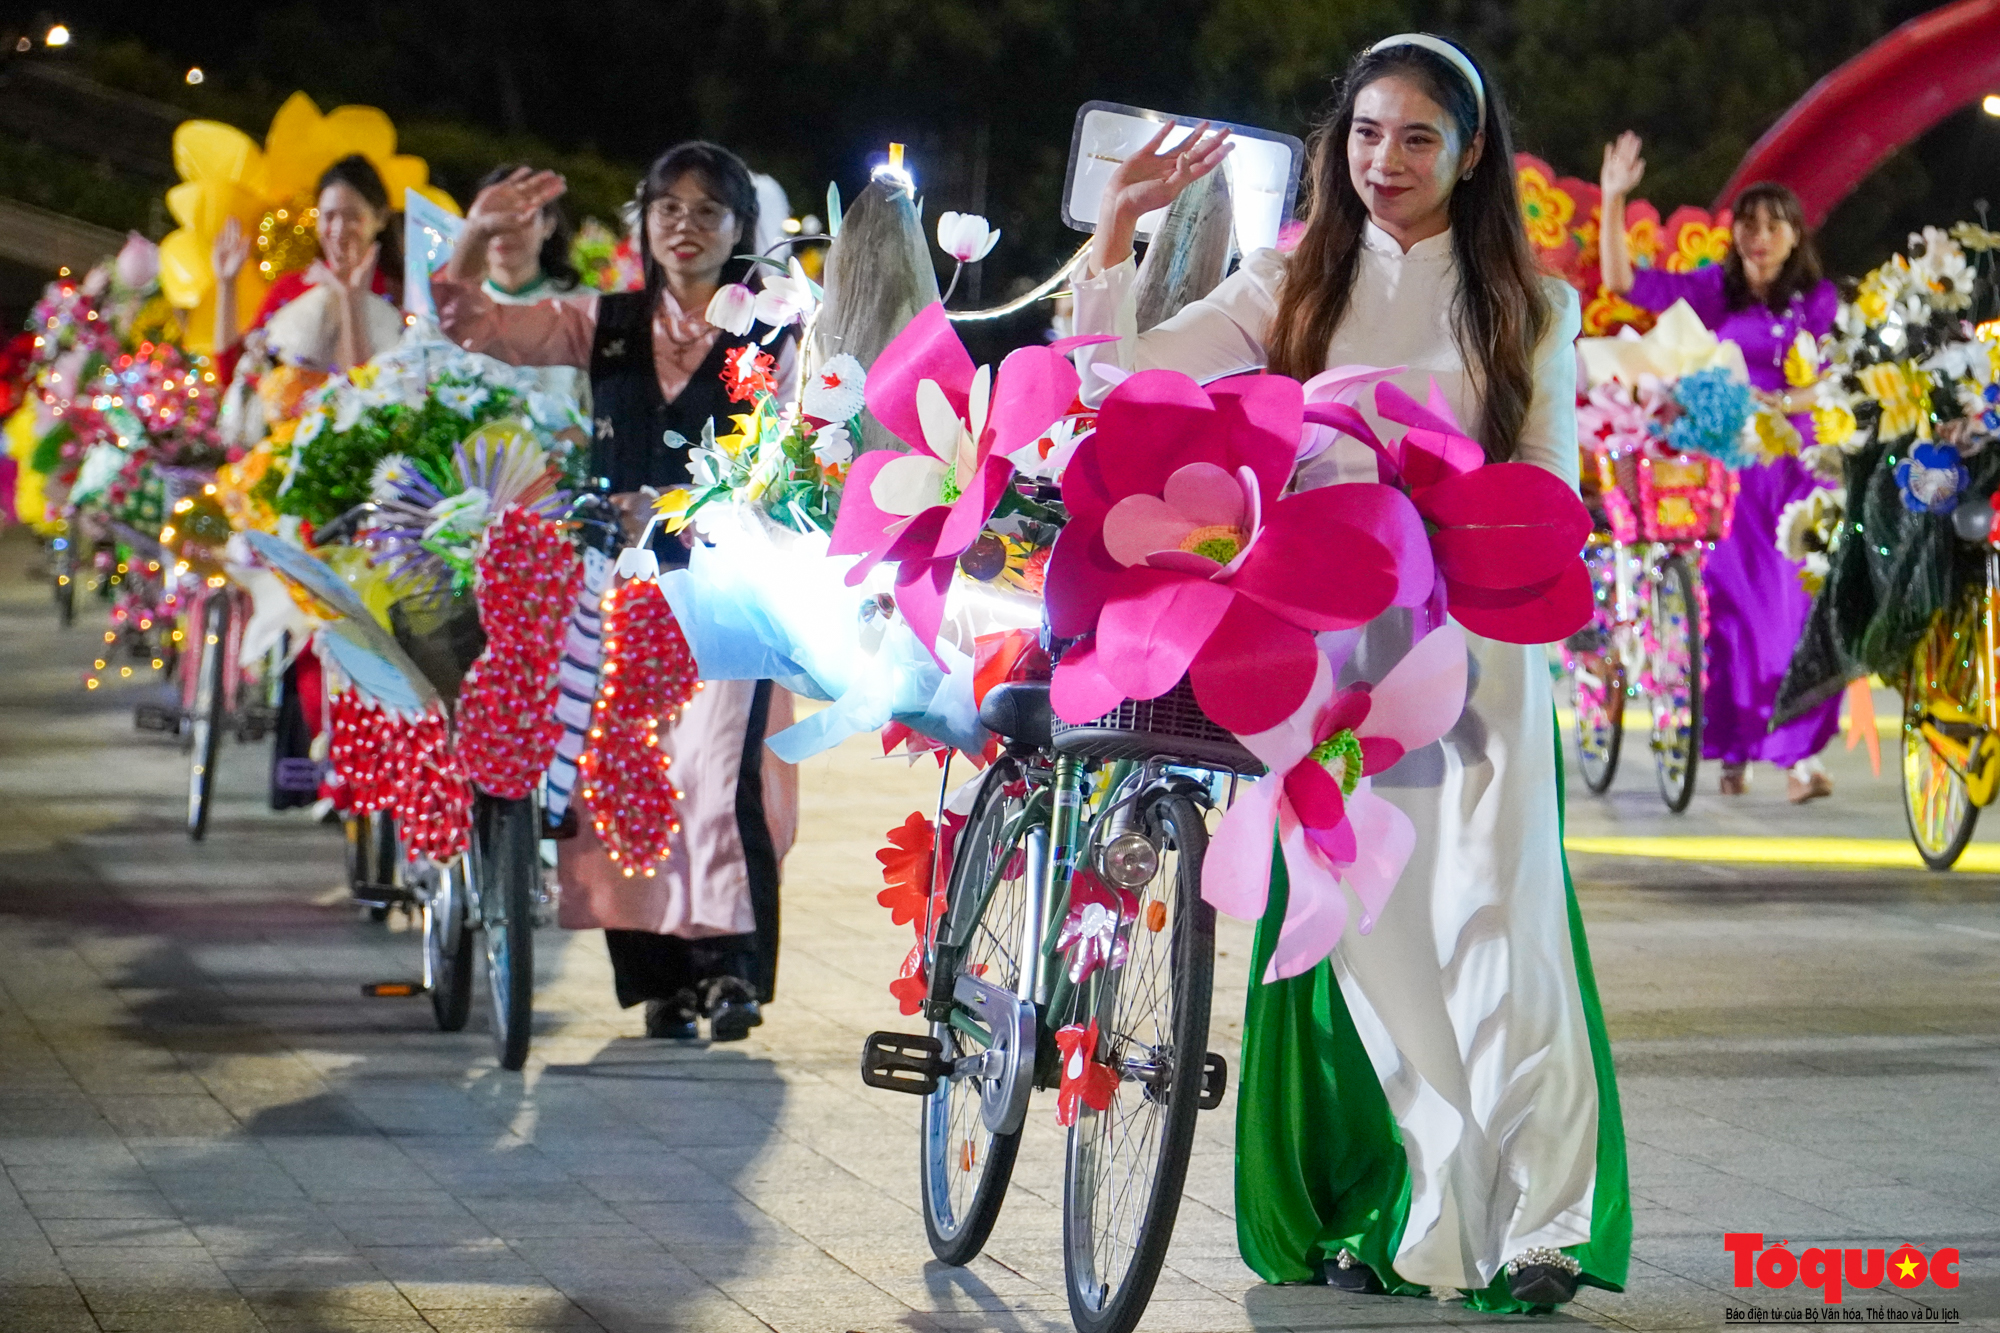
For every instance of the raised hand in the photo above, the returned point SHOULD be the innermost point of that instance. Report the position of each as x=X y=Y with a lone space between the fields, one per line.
x=1154 y=176
x=513 y=203
x=230 y=251
x=1623 y=167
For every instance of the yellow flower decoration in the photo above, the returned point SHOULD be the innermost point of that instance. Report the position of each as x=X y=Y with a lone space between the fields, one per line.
x=1643 y=241
x=672 y=507
x=1802 y=361
x=1546 y=210
x=1608 y=310
x=1904 y=393
x=746 y=431
x=1775 y=436
x=1834 y=423
x=1698 y=245
x=269 y=191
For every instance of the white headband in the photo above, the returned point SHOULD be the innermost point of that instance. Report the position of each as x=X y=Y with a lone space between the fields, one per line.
x=1439 y=46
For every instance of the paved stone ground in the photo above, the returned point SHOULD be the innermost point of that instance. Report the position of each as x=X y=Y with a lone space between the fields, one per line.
x=205 y=1127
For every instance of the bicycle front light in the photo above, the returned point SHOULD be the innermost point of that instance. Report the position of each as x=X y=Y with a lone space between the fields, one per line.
x=1129 y=860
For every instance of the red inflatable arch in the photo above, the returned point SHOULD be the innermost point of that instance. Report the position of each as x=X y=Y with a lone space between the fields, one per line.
x=1875 y=103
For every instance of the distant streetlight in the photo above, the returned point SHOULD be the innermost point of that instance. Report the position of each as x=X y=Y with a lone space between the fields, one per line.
x=195 y=75
x=1991 y=104
x=58 y=36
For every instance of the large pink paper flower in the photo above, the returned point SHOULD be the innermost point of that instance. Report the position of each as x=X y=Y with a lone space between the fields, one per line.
x=1507 y=537
x=1332 y=827
x=1184 y=557
x=922 y=509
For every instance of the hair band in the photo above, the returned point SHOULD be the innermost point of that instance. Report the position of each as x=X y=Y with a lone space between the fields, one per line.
x=1457 y=58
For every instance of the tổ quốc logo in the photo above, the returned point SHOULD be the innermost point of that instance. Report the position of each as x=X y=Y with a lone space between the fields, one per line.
x=1834 y=1273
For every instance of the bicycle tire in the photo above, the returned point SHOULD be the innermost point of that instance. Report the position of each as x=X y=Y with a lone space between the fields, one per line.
x=510 y=866
x=954 y=1138
x=1098 y=1139
x=1937 y=806
x=448 y=961
x=1600 y=727
x=1677 y=740
x=206 y=724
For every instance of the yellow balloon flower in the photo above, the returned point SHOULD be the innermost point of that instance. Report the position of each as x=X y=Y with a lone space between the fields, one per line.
x=269 y=191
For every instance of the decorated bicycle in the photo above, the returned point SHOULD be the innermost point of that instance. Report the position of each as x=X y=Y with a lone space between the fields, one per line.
x=1663 y=426
x=1912 y=402
x=1116 y=617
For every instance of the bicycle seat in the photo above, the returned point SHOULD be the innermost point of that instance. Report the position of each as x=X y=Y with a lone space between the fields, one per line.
x=1018 y=710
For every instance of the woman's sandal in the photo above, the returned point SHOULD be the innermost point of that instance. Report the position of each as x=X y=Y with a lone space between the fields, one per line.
x=1543 y=1276
x=1347 y=1273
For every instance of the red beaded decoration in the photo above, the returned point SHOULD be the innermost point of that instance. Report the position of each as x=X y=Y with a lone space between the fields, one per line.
x=507 y=725
x=648 y=678
x=385 y=761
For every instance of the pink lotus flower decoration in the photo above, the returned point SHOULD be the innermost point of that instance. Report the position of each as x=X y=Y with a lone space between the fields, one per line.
x=1332 y=827
x=921 y=510
x=1185 y=558
x=1507 y=537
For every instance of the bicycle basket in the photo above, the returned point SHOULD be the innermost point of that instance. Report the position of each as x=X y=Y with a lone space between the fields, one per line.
x=1171 y=727
x=1657 y=496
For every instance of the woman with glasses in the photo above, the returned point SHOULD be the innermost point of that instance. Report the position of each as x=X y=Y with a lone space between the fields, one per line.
x=698 y=939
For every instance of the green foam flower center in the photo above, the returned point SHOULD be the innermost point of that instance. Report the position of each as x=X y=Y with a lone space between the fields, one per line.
x=948 y=487
x=1340 y=753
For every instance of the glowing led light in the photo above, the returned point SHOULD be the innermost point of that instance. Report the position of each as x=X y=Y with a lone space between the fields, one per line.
x=1990 y=104
x=57 y=36
x=195 y=75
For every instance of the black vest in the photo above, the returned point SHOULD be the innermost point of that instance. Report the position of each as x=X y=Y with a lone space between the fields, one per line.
x=629 y=448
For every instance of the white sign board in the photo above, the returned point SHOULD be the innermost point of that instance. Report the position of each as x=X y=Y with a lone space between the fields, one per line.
x=1263 y=168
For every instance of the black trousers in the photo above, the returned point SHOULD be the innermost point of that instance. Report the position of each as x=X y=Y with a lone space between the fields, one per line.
x=646 y=966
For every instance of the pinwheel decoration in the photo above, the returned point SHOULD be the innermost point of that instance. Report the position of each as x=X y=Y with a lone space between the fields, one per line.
x=1332 y=828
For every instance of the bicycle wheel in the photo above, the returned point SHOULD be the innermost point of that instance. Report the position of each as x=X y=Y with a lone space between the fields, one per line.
x=509 y=866
x=1599 y=688
x=206 y=715
x=966 y=1166
x=1943 y=678
x=1126 y=1164
x=1676 y=693
x=448 y=946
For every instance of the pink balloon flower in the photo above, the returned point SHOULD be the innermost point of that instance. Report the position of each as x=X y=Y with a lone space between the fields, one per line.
x=921 y=510
x=1184 y=557
x=1317 y=798
x=1507 y=537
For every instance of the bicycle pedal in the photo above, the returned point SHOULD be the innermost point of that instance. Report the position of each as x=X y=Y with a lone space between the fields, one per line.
x=393 y=990
x=1214 y=1081
x=901 y=1062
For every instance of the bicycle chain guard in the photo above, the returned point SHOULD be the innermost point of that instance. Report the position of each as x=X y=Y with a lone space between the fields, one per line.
x=1003 y=1093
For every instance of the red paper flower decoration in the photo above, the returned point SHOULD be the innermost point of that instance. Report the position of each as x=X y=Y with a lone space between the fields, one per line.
x=385 y=761
x=747 y=372
x=908 y=868
x=1085 y=1082
x=911 y=984
x=648 y=677
x=1094 y=931
x=507 y=727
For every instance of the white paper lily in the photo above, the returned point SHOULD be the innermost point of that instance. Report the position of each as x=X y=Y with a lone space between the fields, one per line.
x=915 y=482
x=733 y=308
x=966 y=237
x=787 y=298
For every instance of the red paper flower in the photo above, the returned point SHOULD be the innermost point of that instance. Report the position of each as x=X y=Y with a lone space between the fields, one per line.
x=747 y=372
x=1085 y=1082
x=908 y=869
x=911 y=984
x=1094 y=931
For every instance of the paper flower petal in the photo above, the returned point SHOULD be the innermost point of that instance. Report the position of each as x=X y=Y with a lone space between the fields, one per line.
x=1205 y=494
x=1236 y=872
x=1315 y=908
x=1152 y=626
x=1081 y=575
x=1384 y=839
x=1292 y=740
x=920 y=590
x=1150 y=426
x=1079 y=692
x=905 y=485
x=861 y=522
x=971 y=510
x=926 y=349
x=1545 y=613
x=1504 y=525
x=1261 y=414
x=1254 y=670
x=1423 y=696
x=1290 y=572
x=1315 y=795
x=1035 y=388
x=1139 y=525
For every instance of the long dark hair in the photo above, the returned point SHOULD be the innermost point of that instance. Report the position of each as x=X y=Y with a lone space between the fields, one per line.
x=1801 y=271
x=357 y=173
x=725 y=177
x=1500 y=310
x=553 y=257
